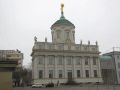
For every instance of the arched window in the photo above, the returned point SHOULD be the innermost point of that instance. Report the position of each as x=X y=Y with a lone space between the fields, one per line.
x=58 y=33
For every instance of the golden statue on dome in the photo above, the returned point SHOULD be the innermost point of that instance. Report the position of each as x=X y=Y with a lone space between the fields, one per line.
x=62 y=13
x=62 y=6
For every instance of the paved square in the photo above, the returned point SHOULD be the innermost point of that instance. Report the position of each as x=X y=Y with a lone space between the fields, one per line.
x=71 y=88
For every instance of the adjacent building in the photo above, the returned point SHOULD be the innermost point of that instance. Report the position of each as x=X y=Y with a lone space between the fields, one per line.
x=9 y=60
x=62 y=59
x=110 y=67
x=12 y=55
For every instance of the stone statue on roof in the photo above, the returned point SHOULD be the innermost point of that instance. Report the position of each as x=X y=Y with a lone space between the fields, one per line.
x=35 y=39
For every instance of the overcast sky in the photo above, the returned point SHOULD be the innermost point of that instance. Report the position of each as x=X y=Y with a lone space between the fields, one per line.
x=95 y=20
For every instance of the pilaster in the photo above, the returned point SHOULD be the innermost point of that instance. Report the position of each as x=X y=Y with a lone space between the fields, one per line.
x=46 y=64
x=83 y=67
x=35 y=68
x=55 y=73
x=91 y=67
x=98 y=66
x=73 y=67
x=65 y=72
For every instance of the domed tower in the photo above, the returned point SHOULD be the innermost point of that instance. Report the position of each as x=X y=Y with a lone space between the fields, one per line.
x=63 y=31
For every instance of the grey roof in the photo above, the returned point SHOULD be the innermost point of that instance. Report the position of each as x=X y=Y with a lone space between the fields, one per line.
x=63 y=21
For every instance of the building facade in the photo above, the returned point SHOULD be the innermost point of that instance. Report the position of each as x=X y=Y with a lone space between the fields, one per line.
x=62 y=59
x=111 y=67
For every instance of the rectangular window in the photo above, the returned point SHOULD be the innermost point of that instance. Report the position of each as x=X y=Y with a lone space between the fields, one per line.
x=67 y=34
x=94 y=61
x=41 y=60
x=119 y=74
x=60 y=60
x=118 y=64
x=50 y=73
x=86 y=61
x=60 y=74
x=87 y=73
x=78 y=60
x=117 y=57
x=69 y=60
x=58 y=33
x=40 y=74
x=95 y=73
x=69 y=74
x=51 y=60
x=78 y=73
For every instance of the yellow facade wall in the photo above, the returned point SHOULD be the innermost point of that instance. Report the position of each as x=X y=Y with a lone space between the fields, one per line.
x=5 y=80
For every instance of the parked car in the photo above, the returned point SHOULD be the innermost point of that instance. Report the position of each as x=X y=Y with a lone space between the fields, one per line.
x=37 y=85
x=50 y=85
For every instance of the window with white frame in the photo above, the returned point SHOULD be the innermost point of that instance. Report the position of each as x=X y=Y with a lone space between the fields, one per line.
x=69 y=60
x=87 y=73
x=51 y=73
x=86 y=60
x=51 y=60
x=78 y=73
x=94 y=60
x=118 y=64
x=95 y=73
x=40 y=74
x=117 y=57
x=41 y=60
x=60 y=60
x=60 y=74
x=67 y=34
x=78 y=60
x=119 y=74
x=58 y=33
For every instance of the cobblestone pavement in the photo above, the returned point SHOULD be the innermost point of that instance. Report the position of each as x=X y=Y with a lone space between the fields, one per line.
x=71 y=88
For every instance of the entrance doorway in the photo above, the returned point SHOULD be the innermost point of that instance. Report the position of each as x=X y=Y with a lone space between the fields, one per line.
x=69 y=74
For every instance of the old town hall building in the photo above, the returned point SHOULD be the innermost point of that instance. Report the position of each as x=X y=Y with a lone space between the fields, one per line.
x=62 y=59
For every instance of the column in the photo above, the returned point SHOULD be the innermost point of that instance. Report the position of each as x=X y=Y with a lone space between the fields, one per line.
x=46 y=68
x=91 y=67
x=32 y=69
x=35 y=68
x=56 y=71
x=83 y=68
x=65 y=72
x=98 y=66
x=73 y=68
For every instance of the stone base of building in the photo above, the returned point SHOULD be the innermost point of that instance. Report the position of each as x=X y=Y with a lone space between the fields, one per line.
x=63 y=81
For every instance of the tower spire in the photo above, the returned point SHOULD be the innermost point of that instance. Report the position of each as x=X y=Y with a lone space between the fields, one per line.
x=62 y=12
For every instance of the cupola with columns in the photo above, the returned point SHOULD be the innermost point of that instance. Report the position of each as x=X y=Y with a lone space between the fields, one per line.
x=63 y=31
